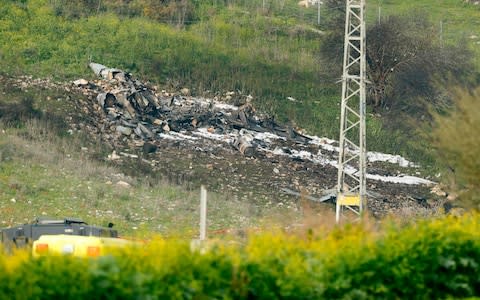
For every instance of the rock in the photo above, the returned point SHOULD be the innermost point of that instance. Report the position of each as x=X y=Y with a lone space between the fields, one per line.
x=123 y=184
x=124 y=130
x=185 y=92
x=113 y=156
x=452 y=196
x=80 y=82
x=149 y=148
x=437 y=190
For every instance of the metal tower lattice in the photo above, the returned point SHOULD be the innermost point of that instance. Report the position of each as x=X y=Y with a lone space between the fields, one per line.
x=351 y=184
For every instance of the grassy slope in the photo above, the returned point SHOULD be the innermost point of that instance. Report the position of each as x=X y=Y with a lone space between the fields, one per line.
x=45 y=171
x=222 y=53
x=41 y=176
x=270 y=56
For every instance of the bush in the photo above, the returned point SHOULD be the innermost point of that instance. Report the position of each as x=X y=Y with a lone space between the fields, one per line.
x=431 y=259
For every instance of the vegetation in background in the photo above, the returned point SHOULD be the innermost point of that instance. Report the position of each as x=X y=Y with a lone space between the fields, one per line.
x=458 y=145
x=435 y=259
x=269 y=49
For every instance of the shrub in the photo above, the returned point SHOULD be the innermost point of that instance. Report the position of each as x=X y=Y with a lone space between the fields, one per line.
x=431 y=259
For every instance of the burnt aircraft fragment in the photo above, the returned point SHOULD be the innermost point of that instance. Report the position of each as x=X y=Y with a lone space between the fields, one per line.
x=134 y=109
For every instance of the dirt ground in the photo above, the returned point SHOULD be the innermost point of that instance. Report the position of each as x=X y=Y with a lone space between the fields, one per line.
x=271 y=173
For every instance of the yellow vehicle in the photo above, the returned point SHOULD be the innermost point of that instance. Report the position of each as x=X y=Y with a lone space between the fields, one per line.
x=68 y=236
x=75 y=245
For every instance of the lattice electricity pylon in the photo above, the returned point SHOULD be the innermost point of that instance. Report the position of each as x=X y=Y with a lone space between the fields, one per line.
x=351 y=184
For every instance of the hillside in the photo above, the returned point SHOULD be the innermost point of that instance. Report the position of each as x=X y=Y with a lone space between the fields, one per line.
x=220 y=52
x=268 y=51
x=257 y=170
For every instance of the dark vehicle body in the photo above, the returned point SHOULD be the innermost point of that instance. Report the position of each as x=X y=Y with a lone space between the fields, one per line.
x=23 y=235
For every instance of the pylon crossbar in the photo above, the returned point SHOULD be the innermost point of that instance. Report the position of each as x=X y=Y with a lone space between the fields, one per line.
x=356 y=60
x=352 y=209
x=350 y=110
x=352 y=126
x=351 y=159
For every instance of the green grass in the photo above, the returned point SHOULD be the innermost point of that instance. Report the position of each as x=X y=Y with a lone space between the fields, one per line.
x=40 y=174
x=271 y=54
x=46 y=171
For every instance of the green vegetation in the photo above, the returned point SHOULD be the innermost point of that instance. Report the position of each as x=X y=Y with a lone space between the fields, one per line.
x=40 y=175
x=435 y=259
x=271 y=51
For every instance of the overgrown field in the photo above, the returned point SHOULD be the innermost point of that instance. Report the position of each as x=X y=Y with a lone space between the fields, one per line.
x=47 y=171
x=42 y=174
x=435 y=259
x=269 y=50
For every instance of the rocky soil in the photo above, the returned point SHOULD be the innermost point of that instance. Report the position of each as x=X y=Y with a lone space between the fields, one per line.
x=224 y=144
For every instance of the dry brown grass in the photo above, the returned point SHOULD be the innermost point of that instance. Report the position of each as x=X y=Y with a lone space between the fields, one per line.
x=458 y=144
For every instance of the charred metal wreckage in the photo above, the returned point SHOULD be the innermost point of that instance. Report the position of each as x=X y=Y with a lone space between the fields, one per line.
x=140 y=110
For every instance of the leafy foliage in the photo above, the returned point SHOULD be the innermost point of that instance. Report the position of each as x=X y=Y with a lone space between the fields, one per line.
x=408 y=64
x=269 y=49
x=428 y=260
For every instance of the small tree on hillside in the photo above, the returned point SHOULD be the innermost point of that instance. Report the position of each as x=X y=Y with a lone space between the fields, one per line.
x=405 y=60
x=406 y=63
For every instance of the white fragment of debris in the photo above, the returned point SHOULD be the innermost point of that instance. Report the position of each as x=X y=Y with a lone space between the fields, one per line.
x=129 y=155
x=177 y=136
x=404 y=179
x=203 y=132
x=267 y=136
x=291 y=99
x=225 y=106
x=320 y=140
x=182 y=135
x=372 y=156
x=276 y=151
x=330 y=148
x=169 y=137
x=394 y=159
x=401 y=179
